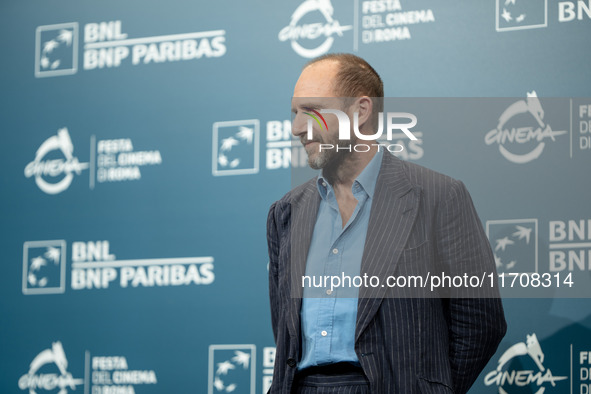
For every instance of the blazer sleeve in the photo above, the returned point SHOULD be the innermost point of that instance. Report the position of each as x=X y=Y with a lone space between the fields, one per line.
x=476 y=322
x=273 y=247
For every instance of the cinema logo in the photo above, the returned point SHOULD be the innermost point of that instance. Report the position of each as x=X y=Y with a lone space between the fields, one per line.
x=48 y=372
x=106 y=45
x=114 y=160
x=55 y=376
x=521 y=132
x=55 y=165
x=297 y=31
x=344 y=133
x=535 y=376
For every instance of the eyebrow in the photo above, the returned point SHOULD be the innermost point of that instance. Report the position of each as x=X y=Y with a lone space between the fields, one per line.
x=308 y=105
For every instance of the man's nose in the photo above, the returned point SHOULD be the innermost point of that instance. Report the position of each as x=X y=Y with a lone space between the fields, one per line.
x=299 y=124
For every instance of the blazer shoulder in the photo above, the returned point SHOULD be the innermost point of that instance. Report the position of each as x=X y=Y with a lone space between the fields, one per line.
x=296 y=194
x=281 y=209
x=436 y=188
x=432 y=183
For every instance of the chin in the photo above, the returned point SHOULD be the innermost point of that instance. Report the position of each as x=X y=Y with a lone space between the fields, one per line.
x=315 y=161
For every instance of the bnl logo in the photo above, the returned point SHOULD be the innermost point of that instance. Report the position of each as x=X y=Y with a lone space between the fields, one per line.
x=44 y=267
x=56 y=50
x=235 y=147
x=514 y=243
x=232 y=369
x=521 y=14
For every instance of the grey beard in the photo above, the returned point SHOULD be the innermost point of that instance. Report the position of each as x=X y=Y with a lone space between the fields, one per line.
x=330 y=161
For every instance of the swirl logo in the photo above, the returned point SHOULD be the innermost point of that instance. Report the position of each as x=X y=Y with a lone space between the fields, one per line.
x=506 y=378
x=34 y=381
x=47 y=172
x=510 y=134
x=296 y=32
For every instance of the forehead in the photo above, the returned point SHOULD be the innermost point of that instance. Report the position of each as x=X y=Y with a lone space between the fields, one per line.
x=316 y=80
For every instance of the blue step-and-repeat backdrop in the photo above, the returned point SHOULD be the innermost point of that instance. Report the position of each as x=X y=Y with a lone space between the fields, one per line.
x=143 y=142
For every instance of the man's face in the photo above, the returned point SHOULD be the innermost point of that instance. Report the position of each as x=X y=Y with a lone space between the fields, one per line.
x=314 y=91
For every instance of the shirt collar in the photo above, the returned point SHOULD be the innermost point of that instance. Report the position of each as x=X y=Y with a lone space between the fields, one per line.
x=367 y=179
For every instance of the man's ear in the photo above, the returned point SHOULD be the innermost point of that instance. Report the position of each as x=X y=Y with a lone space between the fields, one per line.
x=364 y=106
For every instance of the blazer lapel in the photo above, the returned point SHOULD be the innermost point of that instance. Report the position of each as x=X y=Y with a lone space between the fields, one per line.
x=304 y=209
x=393 y=212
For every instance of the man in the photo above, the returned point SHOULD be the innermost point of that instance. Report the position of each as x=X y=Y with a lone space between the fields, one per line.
x=370 y=213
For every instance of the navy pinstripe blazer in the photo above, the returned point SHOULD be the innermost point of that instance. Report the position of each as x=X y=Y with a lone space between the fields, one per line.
x=404 y=345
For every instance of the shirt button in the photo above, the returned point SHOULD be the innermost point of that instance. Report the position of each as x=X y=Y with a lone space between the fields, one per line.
x=329 y=291
x=324 y=333
x=335 y=251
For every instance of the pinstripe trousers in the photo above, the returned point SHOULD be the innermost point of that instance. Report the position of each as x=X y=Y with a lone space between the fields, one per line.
x=342 y=383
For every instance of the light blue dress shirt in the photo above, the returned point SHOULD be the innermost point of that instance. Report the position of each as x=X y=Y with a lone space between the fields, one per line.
x=328 y=318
